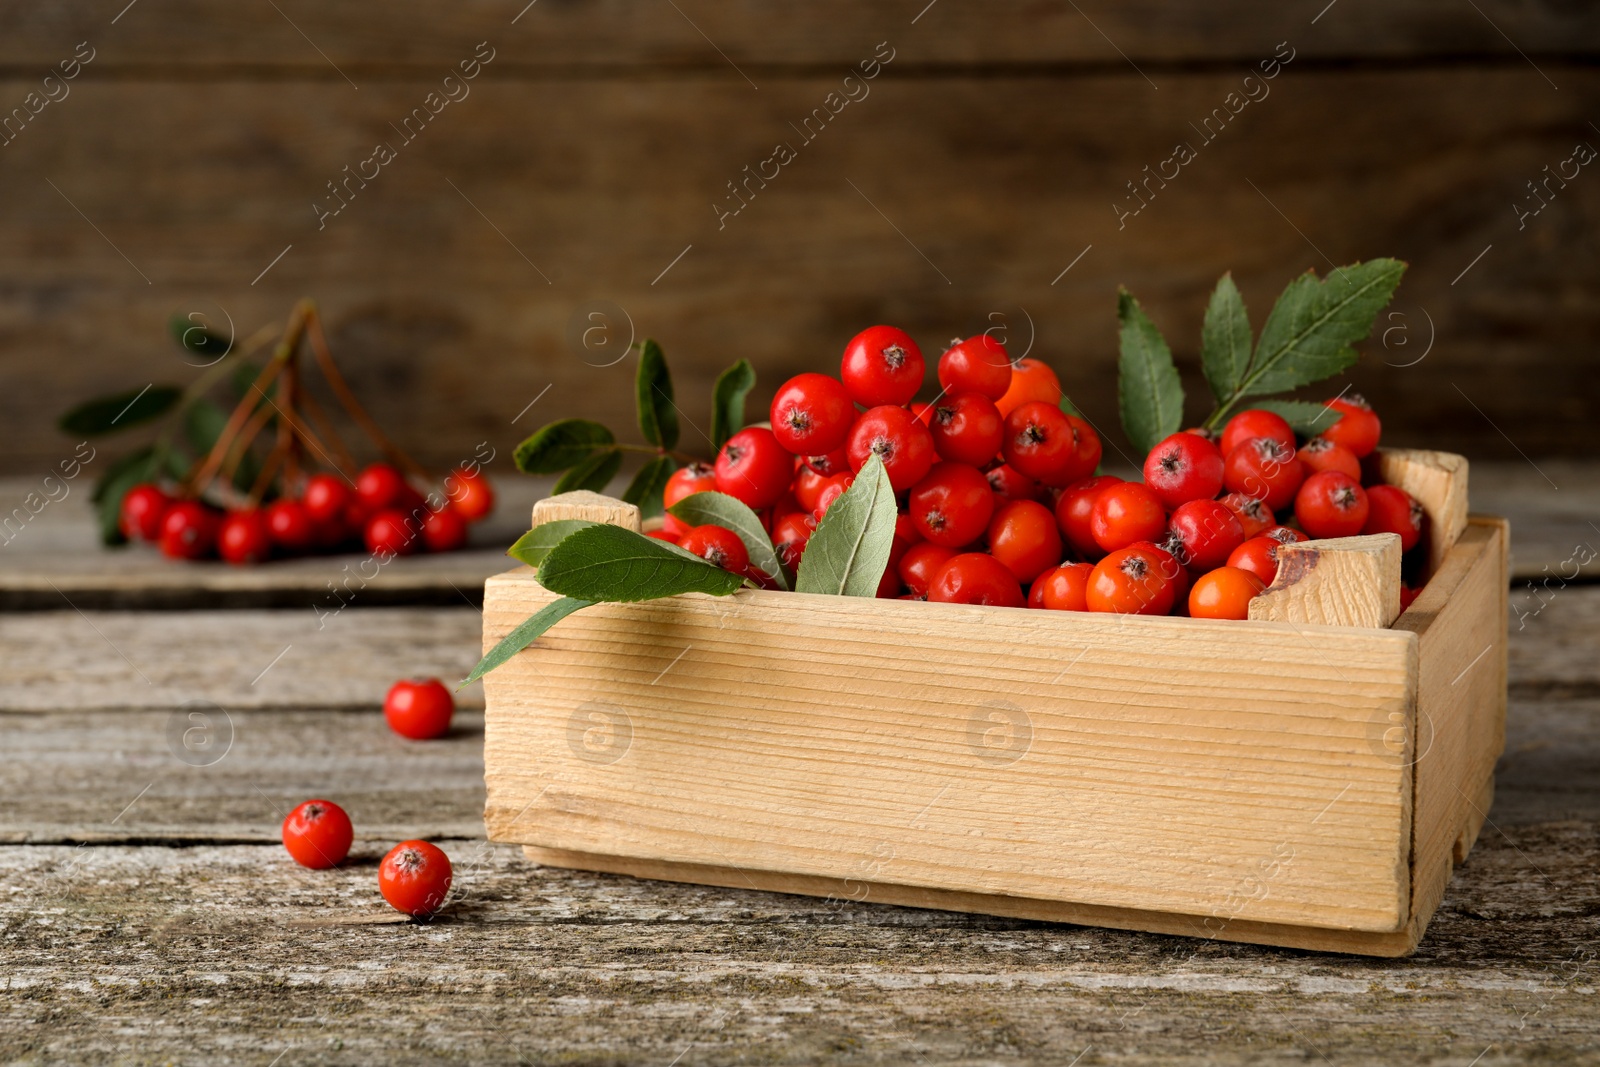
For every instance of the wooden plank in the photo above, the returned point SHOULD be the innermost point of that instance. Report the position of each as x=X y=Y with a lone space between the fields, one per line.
x=1340 y=581
x=242 y=189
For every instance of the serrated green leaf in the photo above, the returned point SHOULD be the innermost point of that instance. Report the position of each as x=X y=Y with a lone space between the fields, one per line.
x=727 y=401
x=1306 y=416
x=524 y=635
x=142 y=465
x=1148 y=391
x=119 y=411
x=1225 y=340
x=1310 y=333
x=197 y=339
x=561 y=445
x=611 y=564
x=593 y=474
x=847 y=554
x=652 y=387
x=532 y=547
x=647 y=486
x=720 y=509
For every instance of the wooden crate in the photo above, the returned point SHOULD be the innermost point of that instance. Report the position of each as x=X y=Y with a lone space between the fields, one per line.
x=1306 y=778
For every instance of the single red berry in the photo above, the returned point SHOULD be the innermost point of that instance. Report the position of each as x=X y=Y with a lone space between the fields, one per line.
x=812 y=414
x=977 y=365
x=290 y=525
x=952 y=505
x=1045 y=443
x=1183 y=467
x=1133 y=580
x=1331 y=504
x=1223 y=593
x=318 y=834
x=1181 y=577
x=143 y=508
x=976 y=578
x=1254 y=516
x=1208 y=531
x=1259 y=556
x=718 y=546
x=1074 y=507
x=833 y=487
x=807 y=485
x=1256 y=423
x=967 y=428
x=327 y=498
x=790 y=535
x=835 y=462
x=444 y=530
x=685 y=481
x=754 y=468
x=921 y=562
x=1023 y=535
x=662 y=535
x=882 y=365
x=243 y=537
x=1007 y=482
x=470 y=495
x=188 y=530
x=1263 y=469
x=419 y=708
x=380 y=486
x=391 y=533
x=1393 y=510
x=1125 y=513
x=1321 y=454
x=906 y=534
x=1285 y=535
x=415 y=878
x=895 y=436
x=923 y=412
x=1030 y=380
x=1358 y=428
x=1063 y=588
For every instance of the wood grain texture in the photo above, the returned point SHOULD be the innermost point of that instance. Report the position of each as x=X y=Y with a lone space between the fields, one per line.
x=1340 y=581
x=1438 y=481
x=583 y=504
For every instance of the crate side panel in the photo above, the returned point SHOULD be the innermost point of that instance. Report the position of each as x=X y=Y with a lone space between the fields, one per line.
x=1138 y=763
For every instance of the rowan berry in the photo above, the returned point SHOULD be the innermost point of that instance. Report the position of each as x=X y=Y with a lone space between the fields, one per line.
x=979 y=365
x=1331 y=504
x=1262 y=468
x=921 y=562
x=1256 y=423
x=882 y=365
x=1125 y=513
x=1074 y=507
x=1063 y=588
x=317 y=834
x=1259 y=556
x=1253 y=515
x=685 y=481
x=444 y=530
x=1321 y=454
x=415 y=878
x=1046 y=444
x=1183 y=467
x=967 y=428
x=327 y=498
x=471 y=496
x=380 y=486
x=835 y=462
x=391 y=533
x=1358 y=427
x=718 y=546
x=243 y=537
x=1023 y=535
x=188 y=530
x=895 y=436
x=832 y=489
x=1393 y=510
x=1285 y=535
x=1223 y=593
x=1408 y=595
x=143 y=507
x=290 y=525
x=812 y=414
x=1208 y=532
x=1030 y=380
x=952 y=505
x=976 y=578
x=754 y=468
x=419 y=708
x=1007 y=482
x=1133 y=580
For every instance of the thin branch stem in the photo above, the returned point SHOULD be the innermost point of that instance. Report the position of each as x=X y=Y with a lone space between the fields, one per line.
x=347 y=399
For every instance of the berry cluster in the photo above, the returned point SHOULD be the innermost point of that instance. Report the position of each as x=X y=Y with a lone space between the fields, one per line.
x=999 y=498
x=381 y=510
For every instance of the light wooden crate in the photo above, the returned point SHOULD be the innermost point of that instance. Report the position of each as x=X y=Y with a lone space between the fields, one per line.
x=1306 y=778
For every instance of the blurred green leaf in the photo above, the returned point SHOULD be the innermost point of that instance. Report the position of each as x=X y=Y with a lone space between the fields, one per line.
x=1149 y=393
x=120 y=410
x=142 y=465
x=658 y=415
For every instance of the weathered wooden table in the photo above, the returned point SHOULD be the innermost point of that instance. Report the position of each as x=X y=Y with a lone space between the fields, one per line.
x=150 y=914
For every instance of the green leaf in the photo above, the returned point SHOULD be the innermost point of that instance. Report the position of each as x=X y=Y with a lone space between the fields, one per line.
x=203 y=422
x=1310 y=333
x=1148 y=391
x=727 y=401
x=524 y=635
x=125 y=473
x=607 y=563
x=561 y=445
x=1306 y=416
x=119 y=411
x=197 y=339
x=244 y=376
x=652 y=387
x=647 y=486
x=847 y=554
x=1069 y=407
x=533 y=546
x=720 y=509
x=1225 y=340
x=593 y=474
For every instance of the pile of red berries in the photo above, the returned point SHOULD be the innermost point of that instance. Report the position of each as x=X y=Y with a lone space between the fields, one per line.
x=999 y=500
x=380 y=510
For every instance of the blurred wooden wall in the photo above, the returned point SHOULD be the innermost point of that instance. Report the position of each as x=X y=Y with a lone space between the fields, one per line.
x=187 y=155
